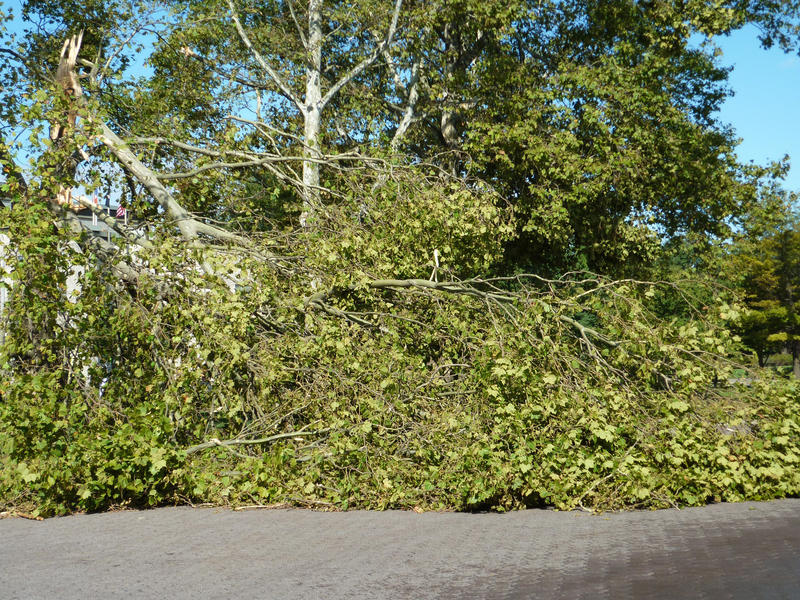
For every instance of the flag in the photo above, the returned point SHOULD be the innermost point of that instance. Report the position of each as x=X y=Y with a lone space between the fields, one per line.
x=122 y=213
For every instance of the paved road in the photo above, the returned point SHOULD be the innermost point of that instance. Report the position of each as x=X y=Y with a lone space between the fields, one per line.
x=747 y=551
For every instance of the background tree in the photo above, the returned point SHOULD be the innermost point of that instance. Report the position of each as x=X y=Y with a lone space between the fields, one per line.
x=767 y=260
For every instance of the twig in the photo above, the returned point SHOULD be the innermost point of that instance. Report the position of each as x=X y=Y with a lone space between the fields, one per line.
x=28 y=516
x=263 y=506
x=214 y=442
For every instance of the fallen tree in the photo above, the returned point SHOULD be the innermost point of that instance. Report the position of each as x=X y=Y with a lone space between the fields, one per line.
x=344 y=351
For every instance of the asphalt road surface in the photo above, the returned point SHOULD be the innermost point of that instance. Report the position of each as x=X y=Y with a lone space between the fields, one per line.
x=748 y=551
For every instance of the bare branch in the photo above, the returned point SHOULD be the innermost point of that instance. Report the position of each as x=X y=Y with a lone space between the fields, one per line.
x=265 y=160
x=189 y=53
x=263 y=127
x=284 y=88
x=466 y=288
x=409 y=112
x=185 y=222
x=303 y=39
x=171 y=142
x=213 y=166
x=355 y=71
x=93 y=74
x=188 y=225
x=216 y=443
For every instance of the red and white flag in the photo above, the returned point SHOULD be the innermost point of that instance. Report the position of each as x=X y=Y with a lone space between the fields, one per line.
x=122 y=213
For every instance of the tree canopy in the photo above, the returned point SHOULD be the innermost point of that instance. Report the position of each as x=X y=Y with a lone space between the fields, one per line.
x=766 y=262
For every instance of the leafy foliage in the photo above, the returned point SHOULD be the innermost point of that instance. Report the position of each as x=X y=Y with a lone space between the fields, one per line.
x=523 y=392
x=420 y=327
x=766 y=259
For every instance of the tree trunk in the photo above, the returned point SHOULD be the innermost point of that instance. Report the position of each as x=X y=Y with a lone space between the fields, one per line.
x=448 y=117
x=313 y=109
x=409 y=112
x=796 y=359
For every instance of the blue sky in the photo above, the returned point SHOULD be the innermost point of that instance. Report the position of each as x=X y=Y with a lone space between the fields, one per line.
x=764 y=110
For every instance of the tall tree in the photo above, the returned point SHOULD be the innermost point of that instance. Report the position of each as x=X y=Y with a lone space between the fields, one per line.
x=766 y=264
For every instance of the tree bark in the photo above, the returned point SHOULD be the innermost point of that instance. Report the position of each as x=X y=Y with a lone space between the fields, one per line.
x=313 y=110
x=447 y=122
x=409 y=111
